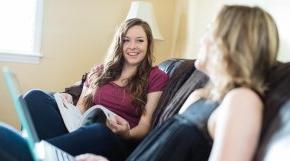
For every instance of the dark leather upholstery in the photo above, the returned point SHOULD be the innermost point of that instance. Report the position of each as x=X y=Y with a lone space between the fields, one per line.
x=183 y=80
x=276 y=141
x=169 y=66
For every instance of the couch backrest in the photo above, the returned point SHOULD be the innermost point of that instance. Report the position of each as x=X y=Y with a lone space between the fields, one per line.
x=183 y=80
x=169 y=66
x=276 y=109
x=276 y=141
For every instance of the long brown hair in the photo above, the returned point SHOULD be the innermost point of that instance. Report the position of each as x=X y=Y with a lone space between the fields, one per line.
x=137 y=84
x=246 y=45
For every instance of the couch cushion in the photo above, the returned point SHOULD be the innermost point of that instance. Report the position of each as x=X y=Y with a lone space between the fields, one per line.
x=184 y=79
x=275 y=99
x=276 y=144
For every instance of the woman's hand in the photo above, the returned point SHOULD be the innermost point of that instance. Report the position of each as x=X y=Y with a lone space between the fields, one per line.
x=90 y=157
x=119 y=126
x=66 y=98
x=95 y=71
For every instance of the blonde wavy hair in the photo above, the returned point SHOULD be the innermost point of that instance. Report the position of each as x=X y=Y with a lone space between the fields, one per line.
x=245 y=47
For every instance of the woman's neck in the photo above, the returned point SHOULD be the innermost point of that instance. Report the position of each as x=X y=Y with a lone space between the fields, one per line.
x=127 y=72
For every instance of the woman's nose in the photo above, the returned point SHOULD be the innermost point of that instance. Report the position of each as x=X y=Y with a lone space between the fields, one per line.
x=132 y=45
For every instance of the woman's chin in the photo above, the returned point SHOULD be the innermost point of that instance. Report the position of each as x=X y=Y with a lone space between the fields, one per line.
x=198 y=64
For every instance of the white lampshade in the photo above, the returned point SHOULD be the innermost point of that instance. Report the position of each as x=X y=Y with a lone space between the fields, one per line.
x=144 y=10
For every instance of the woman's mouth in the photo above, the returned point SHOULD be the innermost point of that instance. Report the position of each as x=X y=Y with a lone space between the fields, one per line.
x=132 y=53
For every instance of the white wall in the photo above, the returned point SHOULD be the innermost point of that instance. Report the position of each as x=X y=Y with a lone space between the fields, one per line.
x=201 y=14
x=191 y=19
x=280 y=10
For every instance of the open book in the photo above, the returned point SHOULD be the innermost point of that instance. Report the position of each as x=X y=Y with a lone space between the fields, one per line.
x=74 y=119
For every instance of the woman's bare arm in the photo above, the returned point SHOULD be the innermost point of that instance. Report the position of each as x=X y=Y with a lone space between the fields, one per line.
x=237 y=126
x=121 y=126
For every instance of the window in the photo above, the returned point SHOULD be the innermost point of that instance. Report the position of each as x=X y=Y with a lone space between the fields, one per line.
x=20 y=30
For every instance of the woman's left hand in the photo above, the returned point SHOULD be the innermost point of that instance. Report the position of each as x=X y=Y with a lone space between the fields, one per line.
x=119 y=126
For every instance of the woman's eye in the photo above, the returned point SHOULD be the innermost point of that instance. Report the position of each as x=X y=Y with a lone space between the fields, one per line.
x=126 y=40
x=140 y=40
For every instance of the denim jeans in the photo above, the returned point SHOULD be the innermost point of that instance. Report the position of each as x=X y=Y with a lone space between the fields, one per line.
x=95 y=138
x=12 y=146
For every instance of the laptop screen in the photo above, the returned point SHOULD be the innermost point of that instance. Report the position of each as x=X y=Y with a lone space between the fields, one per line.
x=21 y=109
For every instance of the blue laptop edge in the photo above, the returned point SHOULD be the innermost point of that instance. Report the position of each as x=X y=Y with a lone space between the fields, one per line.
x=22 y=111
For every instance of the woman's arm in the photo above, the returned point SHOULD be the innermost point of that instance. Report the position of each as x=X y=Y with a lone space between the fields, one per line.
x=144 y=124
x=95 y=71
x=237 y=126
x=121 y=126
x=80 y=103
x=157 y=80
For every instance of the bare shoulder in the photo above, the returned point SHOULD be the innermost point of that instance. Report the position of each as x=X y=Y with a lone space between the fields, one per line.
x=193 y=97
x=199 y=93
x=243 y=93
x=243 y=97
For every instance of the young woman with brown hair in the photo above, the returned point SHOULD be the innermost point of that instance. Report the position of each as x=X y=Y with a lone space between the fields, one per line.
x=126 y=84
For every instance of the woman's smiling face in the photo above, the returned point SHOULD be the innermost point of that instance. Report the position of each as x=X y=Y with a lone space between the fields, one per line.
x=135 y=45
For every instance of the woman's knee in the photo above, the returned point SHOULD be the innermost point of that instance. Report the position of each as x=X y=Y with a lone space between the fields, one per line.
x=35 y=93
x=96 y=138
x=36 y=97
x=97 y=131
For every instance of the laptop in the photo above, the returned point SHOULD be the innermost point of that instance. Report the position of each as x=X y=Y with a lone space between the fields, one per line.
x=40 y=149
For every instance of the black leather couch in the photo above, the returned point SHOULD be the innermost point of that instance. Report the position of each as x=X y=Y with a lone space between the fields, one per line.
x=274 y=144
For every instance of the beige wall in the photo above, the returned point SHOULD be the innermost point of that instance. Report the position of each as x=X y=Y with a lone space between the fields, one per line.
x=191 y=19
x=76 y=35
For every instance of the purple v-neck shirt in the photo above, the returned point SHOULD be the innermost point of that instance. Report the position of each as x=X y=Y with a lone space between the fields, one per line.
x=119 y=100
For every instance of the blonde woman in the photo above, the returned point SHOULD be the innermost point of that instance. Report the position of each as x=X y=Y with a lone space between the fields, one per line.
x=222 y=122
